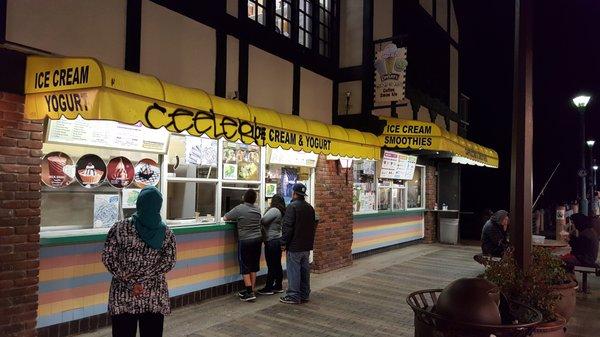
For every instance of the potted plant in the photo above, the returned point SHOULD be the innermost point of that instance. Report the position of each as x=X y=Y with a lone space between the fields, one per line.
x=561 y=282
x=535 y=287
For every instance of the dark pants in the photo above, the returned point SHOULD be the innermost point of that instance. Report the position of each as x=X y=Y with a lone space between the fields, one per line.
x=125 y=325
x=570 y=261
x=298 y=274
x=273 y=257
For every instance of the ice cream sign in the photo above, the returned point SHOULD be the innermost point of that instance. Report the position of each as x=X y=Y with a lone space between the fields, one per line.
x=390 y=69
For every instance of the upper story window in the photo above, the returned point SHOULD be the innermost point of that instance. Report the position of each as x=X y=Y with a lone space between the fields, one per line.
x=283 y=17
x=311 y=21
x=325 y=23
x=305 y=15
x=256 y=10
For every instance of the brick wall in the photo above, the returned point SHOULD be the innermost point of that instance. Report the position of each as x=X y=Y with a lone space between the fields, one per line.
x=333 y=200
x=430 y=200
x=20 y=157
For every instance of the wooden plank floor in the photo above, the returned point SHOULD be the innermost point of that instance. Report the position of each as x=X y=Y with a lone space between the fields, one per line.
x=367 y=299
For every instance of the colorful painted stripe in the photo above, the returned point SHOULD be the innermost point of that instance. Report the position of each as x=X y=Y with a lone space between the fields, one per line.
x=382 y=231
x=74 y=283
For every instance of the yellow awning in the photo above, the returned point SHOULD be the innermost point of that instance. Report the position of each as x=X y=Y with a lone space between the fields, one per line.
x=72 y=87
x=417 y=135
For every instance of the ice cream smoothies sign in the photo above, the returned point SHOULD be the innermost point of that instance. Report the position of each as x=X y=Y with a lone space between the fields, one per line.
x=390 y=68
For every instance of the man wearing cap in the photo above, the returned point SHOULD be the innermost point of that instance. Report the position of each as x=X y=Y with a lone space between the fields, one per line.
x=298 y=236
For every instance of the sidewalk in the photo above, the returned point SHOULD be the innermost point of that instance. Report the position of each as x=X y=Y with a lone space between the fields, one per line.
x=366 y=299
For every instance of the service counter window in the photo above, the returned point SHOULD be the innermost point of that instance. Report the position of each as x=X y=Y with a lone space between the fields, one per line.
x=192 y=178
x=416 y=189
x=242 y=169
x=285 y=168
x=87 y=187
x=364 y=196
x=390 y=194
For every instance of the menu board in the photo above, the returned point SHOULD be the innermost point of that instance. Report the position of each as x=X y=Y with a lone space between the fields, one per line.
x=293 y=158
x=396 y=165
x=108 y=134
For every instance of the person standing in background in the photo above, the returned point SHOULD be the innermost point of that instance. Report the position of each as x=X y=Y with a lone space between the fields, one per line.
x=298 y=236
x=271 y=224
x=138 y=252
x=247 y=216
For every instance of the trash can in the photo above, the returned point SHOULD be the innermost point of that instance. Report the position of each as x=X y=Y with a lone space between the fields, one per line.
x=448 y=225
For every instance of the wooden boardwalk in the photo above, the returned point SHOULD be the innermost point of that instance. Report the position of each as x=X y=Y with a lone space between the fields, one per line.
x=367 y=299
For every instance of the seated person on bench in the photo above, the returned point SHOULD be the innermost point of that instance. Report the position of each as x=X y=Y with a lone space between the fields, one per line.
x=584 y=244
x=494 y=239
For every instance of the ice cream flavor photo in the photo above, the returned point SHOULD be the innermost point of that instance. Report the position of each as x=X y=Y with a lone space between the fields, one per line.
x=90 y=170
x=120 y=172
x=56 y=167
x=147 y=173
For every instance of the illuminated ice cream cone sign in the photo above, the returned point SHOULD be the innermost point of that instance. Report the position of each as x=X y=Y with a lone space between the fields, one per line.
x=390 y=66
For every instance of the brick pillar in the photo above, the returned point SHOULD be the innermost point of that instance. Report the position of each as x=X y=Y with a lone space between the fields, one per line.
x=430 y=200
x=20 y=157
x=333 y=200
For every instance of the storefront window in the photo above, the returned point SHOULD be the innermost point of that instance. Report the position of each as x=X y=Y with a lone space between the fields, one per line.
x=191 y=201
x=88 y=187
x=364 y=186
x=415 y=189
x=233 y=195
x=192 y=157
x=391 y=195
x=241 y=162
x=284 y=169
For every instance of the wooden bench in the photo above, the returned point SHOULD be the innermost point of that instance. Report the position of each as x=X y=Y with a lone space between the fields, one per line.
x=584 y=274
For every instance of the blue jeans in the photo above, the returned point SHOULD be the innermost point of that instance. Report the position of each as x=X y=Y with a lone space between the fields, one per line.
x=298 y=274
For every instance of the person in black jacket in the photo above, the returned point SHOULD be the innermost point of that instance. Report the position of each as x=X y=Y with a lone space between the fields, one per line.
x=584 y=244
x=494 y=239
x=298 y=236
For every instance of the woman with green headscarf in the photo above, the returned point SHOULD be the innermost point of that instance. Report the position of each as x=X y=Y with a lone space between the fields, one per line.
x=138 y=252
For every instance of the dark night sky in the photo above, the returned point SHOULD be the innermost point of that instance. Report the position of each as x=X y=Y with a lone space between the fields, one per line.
x=566 y=61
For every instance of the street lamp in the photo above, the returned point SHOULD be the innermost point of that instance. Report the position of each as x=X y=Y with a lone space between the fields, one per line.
x=590 y=143
x=581 y=103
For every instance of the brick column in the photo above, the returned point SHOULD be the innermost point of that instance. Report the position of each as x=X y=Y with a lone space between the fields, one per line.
x=333 y=201
x=20 y=157
x=430 y=200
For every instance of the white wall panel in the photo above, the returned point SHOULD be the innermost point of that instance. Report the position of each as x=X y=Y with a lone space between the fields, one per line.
x=383 y=18
x=315 y=96
x=177 y=49
x=453 y=127
x=441 y=13
x=355 y=90
x=270 y=81
x=453 y=79
x=93 y=28
x=351 y=28
x=454 y=32
x=232 y=7
x=233 y=65
x=428 y=5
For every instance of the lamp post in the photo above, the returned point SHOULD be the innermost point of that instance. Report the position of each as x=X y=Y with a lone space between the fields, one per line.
x=594 y=210
x=581 y=102
x=590 y=143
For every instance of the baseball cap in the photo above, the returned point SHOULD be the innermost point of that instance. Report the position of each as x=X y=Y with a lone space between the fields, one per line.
x=299 y=189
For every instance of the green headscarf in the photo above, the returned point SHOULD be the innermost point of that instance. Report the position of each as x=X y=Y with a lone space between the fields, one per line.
x=148 y=223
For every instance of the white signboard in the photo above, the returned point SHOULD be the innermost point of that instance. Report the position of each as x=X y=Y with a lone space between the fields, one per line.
x=107 y=134
x=390 y=70
x=106 y=210
x=396 y=165
x=293 y=158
